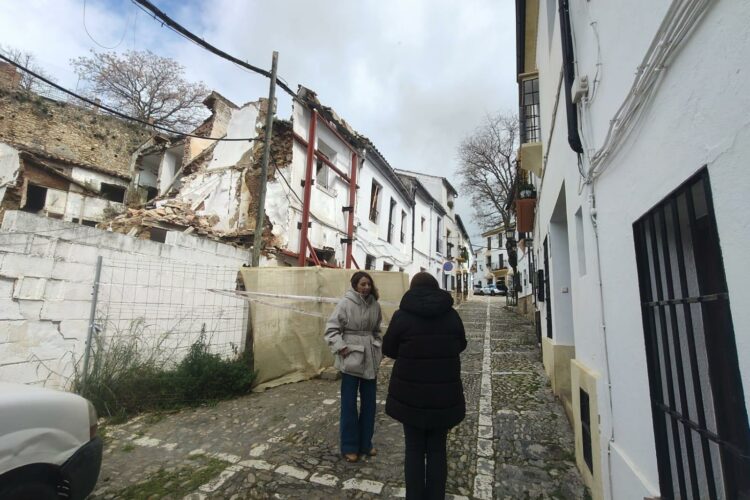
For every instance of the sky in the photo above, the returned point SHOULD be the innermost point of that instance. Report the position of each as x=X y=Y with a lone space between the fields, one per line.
x=415 y=76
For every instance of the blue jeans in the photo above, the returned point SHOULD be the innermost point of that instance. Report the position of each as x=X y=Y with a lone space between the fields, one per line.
x=356 y=428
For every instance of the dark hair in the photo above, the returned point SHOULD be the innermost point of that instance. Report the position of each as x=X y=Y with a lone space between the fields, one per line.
x=423 y=280
x=361 y=274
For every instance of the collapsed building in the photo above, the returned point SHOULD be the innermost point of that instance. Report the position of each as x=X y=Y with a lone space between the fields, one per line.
x=332 y=200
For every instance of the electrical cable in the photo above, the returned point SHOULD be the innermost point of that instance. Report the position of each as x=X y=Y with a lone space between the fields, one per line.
x=152 y=10
x=85 y=27
x=118 y=113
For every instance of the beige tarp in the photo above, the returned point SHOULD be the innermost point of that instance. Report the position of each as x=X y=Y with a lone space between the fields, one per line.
x=289 y=345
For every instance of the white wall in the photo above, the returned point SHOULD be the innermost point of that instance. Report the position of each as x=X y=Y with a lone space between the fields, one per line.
x=9 y=164
x=705 y=91
x=47 y=270
x=372 y=237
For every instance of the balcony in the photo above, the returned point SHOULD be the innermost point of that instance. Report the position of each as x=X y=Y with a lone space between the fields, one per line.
x=530 y=157
x=525 y=209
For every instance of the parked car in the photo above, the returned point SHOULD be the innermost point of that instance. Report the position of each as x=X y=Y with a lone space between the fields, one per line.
x=49 y=447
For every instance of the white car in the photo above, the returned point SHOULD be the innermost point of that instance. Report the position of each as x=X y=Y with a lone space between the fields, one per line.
x=49 y=446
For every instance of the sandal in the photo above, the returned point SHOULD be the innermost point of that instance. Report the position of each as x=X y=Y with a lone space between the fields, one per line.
x=372 y=453
x=350 y=457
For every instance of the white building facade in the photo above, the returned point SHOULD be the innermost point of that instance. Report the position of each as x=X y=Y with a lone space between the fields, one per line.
x=634 y=132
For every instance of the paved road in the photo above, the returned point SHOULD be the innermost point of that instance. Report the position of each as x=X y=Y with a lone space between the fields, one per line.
x=514 y=443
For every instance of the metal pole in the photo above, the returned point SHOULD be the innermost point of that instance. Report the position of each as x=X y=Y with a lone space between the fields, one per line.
x=92 y=326
x=302 y=262
x=260 y=220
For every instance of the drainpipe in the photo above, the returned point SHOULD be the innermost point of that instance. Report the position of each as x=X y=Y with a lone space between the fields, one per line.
x=302 y=259
x=611 y=440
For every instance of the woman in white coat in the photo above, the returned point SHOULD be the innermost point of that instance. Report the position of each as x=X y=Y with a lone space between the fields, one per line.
x=353 y=335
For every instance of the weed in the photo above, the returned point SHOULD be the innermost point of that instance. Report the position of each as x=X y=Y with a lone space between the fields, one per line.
x=129 y=375
x=128 y=447
x=175 y=483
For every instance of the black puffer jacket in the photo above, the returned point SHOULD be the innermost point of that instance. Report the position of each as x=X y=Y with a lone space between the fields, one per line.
x=425 y=337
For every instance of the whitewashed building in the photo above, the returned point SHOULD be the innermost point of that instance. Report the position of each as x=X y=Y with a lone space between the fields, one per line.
x=635 y=134
x=442 y=228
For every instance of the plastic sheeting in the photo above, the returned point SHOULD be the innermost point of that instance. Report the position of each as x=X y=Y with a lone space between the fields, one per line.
x=289 y=346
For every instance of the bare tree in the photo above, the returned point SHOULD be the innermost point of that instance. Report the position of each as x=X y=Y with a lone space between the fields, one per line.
x=487 y=168
x=27 y=60
x=144 y=85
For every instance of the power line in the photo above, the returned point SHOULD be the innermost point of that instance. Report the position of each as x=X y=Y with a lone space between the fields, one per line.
x=154 y=11
x=85 y=27
x=117 y=113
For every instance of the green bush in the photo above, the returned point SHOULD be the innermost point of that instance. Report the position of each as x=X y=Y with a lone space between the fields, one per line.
x=126 y=377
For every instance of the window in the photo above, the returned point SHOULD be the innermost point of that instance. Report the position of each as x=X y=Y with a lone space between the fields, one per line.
x=113 y=192
x=387 y=266
x=369 y=262
x=422 y=224
x=501 y=258
x=403 y=226
x=499 y=241
x=390 y=220
x=374 y=197
x=489 y=262
x=85 y=222
x=530 y=131
x=697 y=404
x=321 y=174
x=489 y=243
x=438 y=246
x=449 y=245
x=157 y=234
x=322 y=177
x=36 y=198
x=585 y=409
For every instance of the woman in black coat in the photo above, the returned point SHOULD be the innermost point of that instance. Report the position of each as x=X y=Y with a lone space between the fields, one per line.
x=425 y=337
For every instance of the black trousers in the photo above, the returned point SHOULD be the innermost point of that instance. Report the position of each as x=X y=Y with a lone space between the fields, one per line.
x=426 y=463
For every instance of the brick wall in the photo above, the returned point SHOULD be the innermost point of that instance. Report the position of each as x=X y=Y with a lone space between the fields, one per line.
x=68 y=131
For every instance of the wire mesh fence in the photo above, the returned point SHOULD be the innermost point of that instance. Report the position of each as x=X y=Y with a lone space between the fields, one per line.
x=170 y=305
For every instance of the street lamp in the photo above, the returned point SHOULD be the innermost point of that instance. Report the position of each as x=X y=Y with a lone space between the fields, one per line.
x=510 y=233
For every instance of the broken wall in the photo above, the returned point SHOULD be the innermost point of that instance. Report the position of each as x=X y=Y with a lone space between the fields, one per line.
x=69 y=131
x=47 y=270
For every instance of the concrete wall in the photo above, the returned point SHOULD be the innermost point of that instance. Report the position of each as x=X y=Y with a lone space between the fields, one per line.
x=47 y=270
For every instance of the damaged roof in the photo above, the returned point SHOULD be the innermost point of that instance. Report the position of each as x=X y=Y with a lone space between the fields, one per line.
x=310 y=98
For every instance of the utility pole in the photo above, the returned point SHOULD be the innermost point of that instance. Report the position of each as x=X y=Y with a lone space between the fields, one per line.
x=260 y=220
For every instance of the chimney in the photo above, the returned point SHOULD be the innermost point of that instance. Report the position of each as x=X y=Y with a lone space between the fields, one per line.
x=9 y=77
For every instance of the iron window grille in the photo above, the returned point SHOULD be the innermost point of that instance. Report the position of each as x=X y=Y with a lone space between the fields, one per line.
x=585 y=408
x=698 y=408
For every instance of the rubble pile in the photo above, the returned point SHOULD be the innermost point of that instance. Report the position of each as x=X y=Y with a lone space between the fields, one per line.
x=172 y=215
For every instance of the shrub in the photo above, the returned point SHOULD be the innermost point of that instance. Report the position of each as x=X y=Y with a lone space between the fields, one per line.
x=127 y=376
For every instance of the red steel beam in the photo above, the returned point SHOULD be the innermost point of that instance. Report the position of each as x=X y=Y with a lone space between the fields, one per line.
x=313 y=254
x=350 y=222
x=325 y=160
x=301 y=261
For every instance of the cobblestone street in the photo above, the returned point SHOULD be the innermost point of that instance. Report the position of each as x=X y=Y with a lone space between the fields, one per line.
x=514 y=443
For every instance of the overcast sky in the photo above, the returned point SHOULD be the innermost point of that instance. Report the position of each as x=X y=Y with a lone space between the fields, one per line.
x=415 y=76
